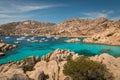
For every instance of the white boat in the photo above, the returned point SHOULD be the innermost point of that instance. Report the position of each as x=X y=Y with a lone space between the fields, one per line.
x=21 y=38
x=17 y=42
x=7 y=37
x=40 y=41
x=48 y=36
x=32 y=38
x=56 y=37
x=28 y=40
x=46 y=40
x=34 y=41
x=43 y=39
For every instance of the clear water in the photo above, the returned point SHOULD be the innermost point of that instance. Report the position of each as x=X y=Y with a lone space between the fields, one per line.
x=26 y=48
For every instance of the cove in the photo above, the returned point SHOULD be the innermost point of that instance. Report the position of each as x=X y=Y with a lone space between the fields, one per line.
x=40 y=46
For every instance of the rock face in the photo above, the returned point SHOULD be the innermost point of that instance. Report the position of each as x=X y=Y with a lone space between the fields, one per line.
x=28 y=27
x=50 y=67
x=4 y=47
x=12 y=72
x=110 y=36
x=59 y=55
x=112 y=63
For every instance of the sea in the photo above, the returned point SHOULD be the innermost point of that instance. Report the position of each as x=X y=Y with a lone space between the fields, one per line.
x=41 y=46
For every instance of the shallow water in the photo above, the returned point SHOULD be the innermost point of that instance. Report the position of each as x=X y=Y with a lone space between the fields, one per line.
x=26 y=48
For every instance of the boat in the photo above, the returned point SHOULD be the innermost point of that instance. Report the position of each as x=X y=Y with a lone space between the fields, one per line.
x=32 y=38
x=7 y=37
x=21 y=38
x=28 y=40
x=48 y=36
x=16 y=42
x=56 y=37
x=40 y=41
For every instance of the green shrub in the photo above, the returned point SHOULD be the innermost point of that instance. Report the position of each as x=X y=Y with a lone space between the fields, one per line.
x=28 y=68
x=84 y=69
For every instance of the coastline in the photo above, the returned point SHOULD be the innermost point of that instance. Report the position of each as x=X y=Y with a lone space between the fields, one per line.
x=89 y=42
x=55 y=60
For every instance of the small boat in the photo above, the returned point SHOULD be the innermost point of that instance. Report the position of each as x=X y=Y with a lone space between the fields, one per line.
x=46 y=40
x=43 y=39
x=28 y=40
x=40 y=41
x=32 y=38
x=56 y=37
x=21 y=38
x=7 y=37
x=34 y=41
x=16 y=42
x=48 y=36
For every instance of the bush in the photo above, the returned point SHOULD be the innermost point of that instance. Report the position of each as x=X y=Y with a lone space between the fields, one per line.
x=28 y=68
x=84 y=69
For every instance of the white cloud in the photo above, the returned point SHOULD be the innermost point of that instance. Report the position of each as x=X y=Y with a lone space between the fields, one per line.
x=30 y=8
x=95 y=15
x=3 y=16
x=12 y=18
x=24 y=8
x=115 y=18
x=18 y=11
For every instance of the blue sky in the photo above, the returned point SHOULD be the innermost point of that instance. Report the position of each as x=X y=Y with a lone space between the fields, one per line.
x=57 y=11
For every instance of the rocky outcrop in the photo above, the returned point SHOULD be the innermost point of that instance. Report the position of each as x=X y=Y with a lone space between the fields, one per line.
x=12 y=72
x=110 y=36
x=60 y=55
x=50 y=67
x=73 y=40
x=5 y=47
x=112 y=63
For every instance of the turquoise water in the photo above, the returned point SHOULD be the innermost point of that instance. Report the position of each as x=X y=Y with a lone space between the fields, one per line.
x=27 y=48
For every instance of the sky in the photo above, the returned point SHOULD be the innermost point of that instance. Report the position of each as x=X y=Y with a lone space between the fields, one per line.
x=56 y=11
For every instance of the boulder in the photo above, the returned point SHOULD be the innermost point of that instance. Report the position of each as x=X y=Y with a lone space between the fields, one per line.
x=50 y=70
x=59 y=55
x=5 y=47
x=112 y=63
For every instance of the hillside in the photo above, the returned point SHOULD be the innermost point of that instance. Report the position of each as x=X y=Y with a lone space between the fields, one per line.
x=28 y=27
x=101 y=28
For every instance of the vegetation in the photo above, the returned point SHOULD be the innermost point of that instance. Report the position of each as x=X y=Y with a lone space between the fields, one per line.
x=28 y=68
x=85 y=69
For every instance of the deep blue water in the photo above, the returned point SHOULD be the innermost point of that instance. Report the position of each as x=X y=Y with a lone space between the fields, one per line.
x=26 y=48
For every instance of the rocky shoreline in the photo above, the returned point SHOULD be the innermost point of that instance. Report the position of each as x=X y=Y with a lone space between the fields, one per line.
x=50 y=67
x=5 y=47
